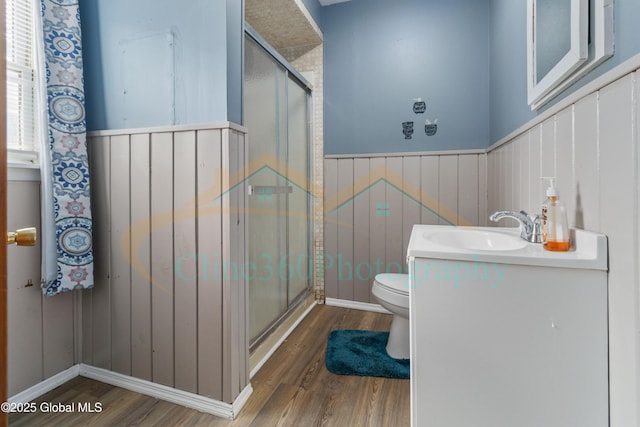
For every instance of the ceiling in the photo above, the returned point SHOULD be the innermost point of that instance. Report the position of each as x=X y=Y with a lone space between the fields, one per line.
x=282 y=23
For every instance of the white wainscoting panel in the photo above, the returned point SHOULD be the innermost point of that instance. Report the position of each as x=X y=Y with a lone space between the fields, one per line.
x=372 y=202
x=169 y=214
x=591 y=146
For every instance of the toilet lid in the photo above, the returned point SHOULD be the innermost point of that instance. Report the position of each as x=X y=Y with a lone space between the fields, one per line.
x=395 y=282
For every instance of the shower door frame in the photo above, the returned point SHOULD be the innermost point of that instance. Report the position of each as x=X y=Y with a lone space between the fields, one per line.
x=290 y=73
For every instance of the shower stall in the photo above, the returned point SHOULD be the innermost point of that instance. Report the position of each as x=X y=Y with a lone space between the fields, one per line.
x=276 y=113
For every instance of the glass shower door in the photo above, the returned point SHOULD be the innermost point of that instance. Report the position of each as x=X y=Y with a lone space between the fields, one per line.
x=275 y=112
x=298 y=259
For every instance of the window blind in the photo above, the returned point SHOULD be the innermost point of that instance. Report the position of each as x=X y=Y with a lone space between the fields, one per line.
x=21 y=76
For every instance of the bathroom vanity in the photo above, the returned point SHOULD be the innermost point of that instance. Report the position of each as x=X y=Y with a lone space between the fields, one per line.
x=504 y=333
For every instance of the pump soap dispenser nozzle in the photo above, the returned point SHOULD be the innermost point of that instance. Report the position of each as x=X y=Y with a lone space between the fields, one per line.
x=552 y=191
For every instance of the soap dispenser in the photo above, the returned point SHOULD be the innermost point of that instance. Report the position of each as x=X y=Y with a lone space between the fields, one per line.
x=555 y=228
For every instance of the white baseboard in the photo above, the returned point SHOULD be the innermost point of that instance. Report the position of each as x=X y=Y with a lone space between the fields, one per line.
x=159 y=391
x=45 y=386
x=242 y=398
x=366 y=306
x=281 y=340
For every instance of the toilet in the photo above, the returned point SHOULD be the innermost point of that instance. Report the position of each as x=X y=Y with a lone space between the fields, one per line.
x=392 y=291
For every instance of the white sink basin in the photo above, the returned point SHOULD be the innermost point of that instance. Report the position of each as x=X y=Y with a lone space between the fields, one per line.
x=505 y=246
x=475 y=240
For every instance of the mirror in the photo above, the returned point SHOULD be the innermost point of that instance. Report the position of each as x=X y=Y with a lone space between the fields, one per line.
x=552 y=34
x=565 y=40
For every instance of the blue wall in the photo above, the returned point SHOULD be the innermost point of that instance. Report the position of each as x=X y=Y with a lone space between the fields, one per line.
x=379 y=55
x=150 y=63
x=314 y=8
x=235 y=60
x=508 y=59
x=509 y=109
x=161 y=62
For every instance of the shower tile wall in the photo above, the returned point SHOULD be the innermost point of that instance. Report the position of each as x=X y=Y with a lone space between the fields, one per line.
x=308 y=61
x=372 y=203
x=591 y=146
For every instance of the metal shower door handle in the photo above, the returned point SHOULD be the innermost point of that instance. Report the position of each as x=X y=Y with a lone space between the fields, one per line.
x=269 y=189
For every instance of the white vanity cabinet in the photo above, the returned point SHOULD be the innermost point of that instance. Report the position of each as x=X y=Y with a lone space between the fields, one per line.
x=499 y=342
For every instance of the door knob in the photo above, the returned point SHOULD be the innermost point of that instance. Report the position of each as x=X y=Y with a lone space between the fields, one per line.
x=22 y=237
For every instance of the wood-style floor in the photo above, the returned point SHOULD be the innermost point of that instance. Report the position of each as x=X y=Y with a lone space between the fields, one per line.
x=293 y=388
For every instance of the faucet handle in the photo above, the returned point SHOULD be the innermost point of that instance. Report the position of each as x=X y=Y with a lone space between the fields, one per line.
x=530 y=216
x=523 y=212
x=532 y=231
x=536 y=230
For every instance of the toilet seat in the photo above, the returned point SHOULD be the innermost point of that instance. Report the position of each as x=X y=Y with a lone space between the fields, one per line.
x=394 y=282
x=392 y=291
x=392 y=288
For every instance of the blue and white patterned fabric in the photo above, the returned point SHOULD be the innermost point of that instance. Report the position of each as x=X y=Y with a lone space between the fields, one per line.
x=67 y=249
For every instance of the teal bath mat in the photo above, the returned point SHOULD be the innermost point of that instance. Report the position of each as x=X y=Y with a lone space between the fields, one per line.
x=352 y=352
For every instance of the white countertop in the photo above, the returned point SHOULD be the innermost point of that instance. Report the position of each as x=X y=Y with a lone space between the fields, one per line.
x=589 y=250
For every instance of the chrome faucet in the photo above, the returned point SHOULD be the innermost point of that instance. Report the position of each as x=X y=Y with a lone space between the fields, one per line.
x=531 y=225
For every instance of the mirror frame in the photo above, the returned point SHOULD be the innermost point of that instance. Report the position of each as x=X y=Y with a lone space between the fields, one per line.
x=576 y=56
x=600 y=49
